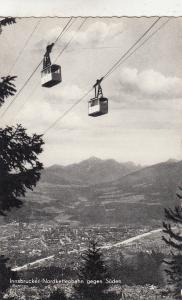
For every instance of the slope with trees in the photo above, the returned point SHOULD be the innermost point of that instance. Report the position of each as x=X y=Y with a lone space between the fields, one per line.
x=19 y=165
x=93 y=276
x=173 y=239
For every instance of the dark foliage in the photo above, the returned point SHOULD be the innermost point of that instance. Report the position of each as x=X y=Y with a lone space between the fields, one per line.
x=7 y=21
x=143 y=268
x=5 y=275
x=7 y=88
x=92 y=269
x=172 y=230
x=19 y=165
x=147 y=270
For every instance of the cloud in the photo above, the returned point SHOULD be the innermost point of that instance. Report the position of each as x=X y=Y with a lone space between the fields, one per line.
x=96 y=33
x=38 y=117
x=149 y=84
x=66 y=93
x=51 y=107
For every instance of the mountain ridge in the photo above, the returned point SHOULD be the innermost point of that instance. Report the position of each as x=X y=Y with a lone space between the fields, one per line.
x=136 y=198
x=90 y=171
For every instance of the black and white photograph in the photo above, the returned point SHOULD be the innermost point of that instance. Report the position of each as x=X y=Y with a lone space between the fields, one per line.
x=90 y=158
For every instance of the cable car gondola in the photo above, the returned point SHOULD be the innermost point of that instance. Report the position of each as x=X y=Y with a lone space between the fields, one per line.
x=98 y=105
x=51 y=73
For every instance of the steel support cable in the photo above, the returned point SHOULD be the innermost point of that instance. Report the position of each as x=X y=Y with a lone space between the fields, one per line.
x=127 y=52
x=36 y=86
x=72 y=38
x=34 y=71
x=67 y=111
x=108 y=73
x=137 y=48
x=60 y=53
x=26 y=43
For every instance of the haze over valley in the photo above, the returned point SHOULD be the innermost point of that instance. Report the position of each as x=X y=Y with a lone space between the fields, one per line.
x=97 y=191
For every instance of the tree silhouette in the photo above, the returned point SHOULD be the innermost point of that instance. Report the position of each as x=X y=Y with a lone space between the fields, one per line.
x=7 y=88
x=19 y=165
x=6 y=21
x=92 y=276
x=174 y=241
x=5 y=275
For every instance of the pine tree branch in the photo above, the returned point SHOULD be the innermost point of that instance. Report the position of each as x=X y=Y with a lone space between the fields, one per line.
x=172 y=243
x=168 y=230
x=174 y=215
x=7 y=88
x=7 y=21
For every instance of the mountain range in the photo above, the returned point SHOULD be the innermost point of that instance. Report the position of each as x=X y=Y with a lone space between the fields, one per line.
x=98 y=191
x=90 y=171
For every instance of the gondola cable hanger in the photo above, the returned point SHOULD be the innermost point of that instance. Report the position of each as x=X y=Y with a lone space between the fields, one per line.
x=51 y=73
x=34 y=71
x=98 y=105
x=59 y=54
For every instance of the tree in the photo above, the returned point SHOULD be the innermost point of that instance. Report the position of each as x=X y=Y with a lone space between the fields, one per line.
x=7 y=88
x=19 y=165
x=92 y=276
x=5 y=275
x=174 y=241
x=6 y=21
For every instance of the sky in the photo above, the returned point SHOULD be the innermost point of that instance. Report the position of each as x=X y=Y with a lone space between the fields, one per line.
x=144 y=121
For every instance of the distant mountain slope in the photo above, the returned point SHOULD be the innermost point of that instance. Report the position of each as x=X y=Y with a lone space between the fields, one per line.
x=163 y=176
x=90 y=171
x=141 y=196
x=69 y=193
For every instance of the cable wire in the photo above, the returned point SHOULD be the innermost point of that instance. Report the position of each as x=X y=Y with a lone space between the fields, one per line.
x=137 y=48
x=36 y=86
x=60 y=53
x=34 y=71
x=26 y=43
x=67 y=111
x=124 y=55
x=72 y=38
x=110 y=70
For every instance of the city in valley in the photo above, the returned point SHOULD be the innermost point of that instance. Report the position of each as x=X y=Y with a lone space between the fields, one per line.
x=45 y=239
x=90 y=158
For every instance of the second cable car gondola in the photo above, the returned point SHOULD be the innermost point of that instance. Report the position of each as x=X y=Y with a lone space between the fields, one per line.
x=98 y=105
x=51 y=73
